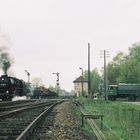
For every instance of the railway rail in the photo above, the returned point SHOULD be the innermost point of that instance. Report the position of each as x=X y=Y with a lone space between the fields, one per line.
x=18 y=124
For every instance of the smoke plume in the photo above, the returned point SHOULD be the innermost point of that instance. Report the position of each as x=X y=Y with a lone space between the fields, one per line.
x=5 y=61
x=5 y=58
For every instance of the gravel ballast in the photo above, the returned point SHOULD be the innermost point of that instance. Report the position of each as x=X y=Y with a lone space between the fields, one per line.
x=61 y=124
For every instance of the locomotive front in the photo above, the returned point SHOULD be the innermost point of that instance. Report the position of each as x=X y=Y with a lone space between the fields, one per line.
x=4 y=87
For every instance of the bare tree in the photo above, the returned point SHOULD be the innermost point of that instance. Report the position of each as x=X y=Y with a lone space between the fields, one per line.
x=37 y=82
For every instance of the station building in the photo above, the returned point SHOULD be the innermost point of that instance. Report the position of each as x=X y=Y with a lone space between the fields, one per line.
x=78 y=82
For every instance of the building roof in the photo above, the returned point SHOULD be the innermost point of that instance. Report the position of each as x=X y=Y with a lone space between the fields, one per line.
x=79 y=80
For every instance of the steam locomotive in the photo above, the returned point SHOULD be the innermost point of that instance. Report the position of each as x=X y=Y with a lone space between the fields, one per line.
x=11 y=87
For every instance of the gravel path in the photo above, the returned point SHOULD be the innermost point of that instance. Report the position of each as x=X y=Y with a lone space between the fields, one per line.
x=61 y=124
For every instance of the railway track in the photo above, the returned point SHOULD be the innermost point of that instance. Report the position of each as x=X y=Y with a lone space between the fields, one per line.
x=18 y=105
x=19 y=123
x=10 y=103
x=60 y=124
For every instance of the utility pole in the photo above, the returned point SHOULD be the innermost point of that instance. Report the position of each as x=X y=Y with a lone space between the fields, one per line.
x=105 y=55
x=57 y=82
x=89 y=70
x=28 y=74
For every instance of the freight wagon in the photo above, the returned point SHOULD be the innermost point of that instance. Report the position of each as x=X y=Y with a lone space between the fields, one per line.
x=130 y=91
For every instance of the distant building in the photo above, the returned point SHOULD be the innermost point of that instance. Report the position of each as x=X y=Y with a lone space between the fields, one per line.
x=78 y=86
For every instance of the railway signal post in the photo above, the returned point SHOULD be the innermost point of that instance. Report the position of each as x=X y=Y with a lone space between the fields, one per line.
x=28 y=74
x=57 y=82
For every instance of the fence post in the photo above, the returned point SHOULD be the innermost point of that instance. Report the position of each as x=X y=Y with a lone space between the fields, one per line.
x=101 y=121
x=82 y=120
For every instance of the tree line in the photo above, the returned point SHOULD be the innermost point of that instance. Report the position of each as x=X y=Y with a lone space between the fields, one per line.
x=124 y=68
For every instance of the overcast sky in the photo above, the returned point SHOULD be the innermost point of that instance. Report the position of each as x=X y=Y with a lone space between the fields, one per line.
x=52 y=35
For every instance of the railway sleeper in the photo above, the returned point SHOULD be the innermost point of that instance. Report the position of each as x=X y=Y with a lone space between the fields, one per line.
x=10 y=126
x=8 y=137
x=11 y=130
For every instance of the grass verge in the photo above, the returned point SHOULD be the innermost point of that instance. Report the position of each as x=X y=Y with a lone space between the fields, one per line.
x=121 y=120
